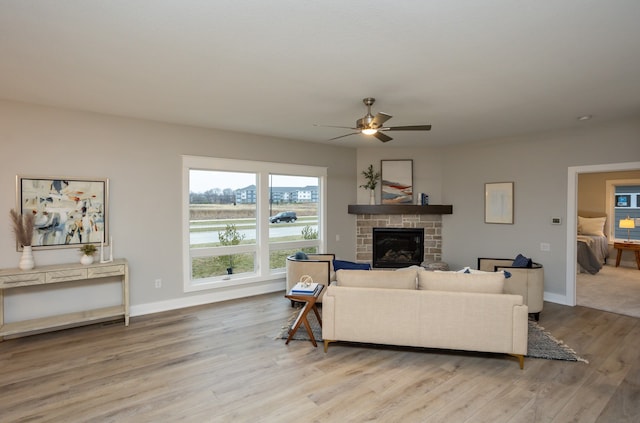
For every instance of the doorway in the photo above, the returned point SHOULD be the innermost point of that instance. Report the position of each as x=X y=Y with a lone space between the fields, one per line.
x=572 y=210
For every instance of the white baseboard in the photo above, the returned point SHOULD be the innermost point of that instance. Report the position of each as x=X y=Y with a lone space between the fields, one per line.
x=556 y=298
x=209 y=297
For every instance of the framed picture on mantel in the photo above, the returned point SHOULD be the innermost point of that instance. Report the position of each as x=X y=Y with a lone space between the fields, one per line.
x=498 y=202
x=397 y=181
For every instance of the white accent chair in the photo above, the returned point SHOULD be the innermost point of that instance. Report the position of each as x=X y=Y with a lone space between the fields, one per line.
x=525 y=281
x=318 y=266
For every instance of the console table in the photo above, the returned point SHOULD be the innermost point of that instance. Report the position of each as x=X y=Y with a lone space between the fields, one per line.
x=59 y=274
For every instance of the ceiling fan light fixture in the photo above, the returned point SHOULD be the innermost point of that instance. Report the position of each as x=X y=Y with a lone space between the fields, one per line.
x=374 y=125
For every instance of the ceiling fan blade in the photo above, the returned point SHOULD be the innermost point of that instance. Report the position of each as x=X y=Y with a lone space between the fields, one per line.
x=407 y=128
x=379 y=119
x=342 y=136
x=334 y=126
x=382 y=137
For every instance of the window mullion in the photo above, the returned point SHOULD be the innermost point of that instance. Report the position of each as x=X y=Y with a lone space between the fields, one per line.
x=262 y=222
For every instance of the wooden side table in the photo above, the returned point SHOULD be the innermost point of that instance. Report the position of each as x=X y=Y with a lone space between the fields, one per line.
x=630 y=246
x=309 y=301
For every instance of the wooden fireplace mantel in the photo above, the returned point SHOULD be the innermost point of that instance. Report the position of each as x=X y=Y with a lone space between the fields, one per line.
x=400 y=209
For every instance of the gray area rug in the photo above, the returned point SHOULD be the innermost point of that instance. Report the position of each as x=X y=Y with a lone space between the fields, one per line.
x=541 y=343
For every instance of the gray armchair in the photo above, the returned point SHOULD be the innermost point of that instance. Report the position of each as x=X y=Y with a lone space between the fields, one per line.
x=525 y=281
x=318 y=266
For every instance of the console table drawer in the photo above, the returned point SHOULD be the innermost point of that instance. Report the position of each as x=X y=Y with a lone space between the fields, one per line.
x=17 y=280
x=104 y=271
x=66 y=275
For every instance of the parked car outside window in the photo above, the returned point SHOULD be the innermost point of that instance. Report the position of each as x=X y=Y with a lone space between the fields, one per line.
x=287 y=216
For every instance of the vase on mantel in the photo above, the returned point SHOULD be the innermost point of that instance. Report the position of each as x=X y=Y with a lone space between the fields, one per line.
x=372 y=197
x=86 y=259
x=26 y=260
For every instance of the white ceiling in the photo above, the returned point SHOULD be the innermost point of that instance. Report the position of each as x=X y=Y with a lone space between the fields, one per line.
x=475 y=70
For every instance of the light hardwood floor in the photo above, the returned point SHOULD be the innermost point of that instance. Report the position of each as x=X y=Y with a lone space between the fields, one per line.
x=223 y=363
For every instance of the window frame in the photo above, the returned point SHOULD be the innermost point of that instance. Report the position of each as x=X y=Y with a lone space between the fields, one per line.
x=262 y=246
x=611 y=206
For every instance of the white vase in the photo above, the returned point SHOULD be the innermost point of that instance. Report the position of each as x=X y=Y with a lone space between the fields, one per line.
x=372 y=197
x=86 y=259
x=26 y=260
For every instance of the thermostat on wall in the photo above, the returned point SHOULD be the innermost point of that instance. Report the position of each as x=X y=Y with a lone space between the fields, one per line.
x=556 y=221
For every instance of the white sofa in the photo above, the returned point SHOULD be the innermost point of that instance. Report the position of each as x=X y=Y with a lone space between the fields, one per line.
x=446 y=310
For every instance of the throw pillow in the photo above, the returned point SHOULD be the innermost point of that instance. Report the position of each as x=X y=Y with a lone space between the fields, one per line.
x=522 y=261
x=301 y=255
x=349 y=265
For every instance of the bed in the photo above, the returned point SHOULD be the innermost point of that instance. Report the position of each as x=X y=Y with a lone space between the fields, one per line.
x=593 y=245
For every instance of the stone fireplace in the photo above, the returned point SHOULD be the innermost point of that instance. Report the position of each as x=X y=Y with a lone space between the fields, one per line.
x=431 y=224
x=397 y=247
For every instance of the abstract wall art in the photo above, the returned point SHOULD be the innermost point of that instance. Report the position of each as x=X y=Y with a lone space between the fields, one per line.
x=68 y=211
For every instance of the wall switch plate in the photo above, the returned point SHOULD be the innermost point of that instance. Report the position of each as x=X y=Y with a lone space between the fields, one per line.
x=556 y=221
x=545 y=246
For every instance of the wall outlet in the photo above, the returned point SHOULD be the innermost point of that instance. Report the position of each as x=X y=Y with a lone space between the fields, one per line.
x=556 y=221
x=158 y=283
x=545 y=246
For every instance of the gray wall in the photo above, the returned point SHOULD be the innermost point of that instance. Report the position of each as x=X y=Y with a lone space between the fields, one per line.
x=142 y=159
x=538 y=165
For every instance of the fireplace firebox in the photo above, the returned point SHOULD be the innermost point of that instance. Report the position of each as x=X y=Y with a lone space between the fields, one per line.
x=397 y=247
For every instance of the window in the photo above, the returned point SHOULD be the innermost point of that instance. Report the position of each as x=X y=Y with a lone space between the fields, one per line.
x=626 y=205
x=243 y=218
x=293 y=217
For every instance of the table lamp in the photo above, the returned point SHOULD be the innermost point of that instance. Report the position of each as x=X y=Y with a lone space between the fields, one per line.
x=627 y=224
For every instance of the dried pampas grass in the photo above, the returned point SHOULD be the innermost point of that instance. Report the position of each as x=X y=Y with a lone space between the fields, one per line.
x=23 y=227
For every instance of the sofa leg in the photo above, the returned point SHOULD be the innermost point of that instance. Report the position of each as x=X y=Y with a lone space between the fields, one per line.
x=326 y=344
x=520 y=358
x=536 y=316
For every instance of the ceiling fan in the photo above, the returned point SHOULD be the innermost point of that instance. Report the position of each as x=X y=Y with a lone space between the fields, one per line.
x=372 y=125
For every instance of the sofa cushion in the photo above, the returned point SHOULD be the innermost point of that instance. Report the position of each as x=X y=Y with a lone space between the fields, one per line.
x=376 y=279
x=486 y=283
x=349 y=265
